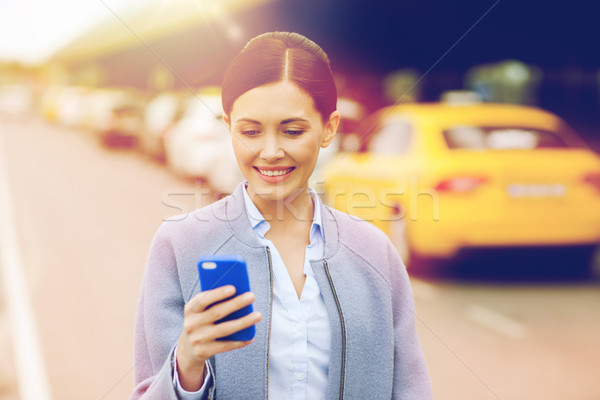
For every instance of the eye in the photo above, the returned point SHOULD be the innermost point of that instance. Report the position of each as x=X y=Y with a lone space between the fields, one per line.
x=250 y=132
x=294 y=132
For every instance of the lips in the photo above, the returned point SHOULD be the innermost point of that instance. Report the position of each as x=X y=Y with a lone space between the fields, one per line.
x=274 y=172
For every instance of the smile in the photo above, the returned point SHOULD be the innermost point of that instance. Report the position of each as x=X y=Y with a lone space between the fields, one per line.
x=279 y=172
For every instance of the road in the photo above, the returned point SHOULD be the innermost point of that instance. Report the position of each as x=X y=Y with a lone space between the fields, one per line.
x=84 y=218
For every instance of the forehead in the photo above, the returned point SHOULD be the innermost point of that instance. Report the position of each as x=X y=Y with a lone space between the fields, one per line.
x=275 y=101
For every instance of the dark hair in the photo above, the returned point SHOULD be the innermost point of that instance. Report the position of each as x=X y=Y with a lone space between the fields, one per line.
x=279 y=56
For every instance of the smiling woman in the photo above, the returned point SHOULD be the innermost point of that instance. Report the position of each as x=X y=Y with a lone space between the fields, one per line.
x=339 y=319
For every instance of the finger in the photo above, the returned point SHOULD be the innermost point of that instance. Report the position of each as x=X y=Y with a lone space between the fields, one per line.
x=224 y=346
x=225 y=308
x=203 y=337
x=206 y=298
x=201 y=323
x=229 y=327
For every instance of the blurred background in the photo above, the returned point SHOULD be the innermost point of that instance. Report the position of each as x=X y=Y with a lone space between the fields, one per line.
x=470 y=135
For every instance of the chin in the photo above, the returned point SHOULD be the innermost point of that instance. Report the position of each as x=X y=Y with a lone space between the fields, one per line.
x=276 y=192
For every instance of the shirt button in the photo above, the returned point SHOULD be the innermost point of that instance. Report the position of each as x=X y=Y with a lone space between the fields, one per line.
x=299 y=327
x=299 y=377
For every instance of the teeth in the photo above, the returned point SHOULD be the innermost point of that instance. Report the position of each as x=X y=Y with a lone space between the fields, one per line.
x=274 y=173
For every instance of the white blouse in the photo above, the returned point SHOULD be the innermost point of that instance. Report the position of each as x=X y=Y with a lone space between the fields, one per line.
x=300 y=331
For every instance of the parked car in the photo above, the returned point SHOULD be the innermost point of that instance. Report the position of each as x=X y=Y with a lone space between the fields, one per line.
x=161 y=113
x=71 y=105
x=49 y=103
x=98 y=106
x=16 y=101
x=119 y=118
x=199 y=145
x=442 y=178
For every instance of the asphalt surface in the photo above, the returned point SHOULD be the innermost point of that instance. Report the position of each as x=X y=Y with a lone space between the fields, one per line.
x=85 y=216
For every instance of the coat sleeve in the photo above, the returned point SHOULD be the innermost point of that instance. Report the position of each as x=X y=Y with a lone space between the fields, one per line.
x=411 y=379
x=158 y=323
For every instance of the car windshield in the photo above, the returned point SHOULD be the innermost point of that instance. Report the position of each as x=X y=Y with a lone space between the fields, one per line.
x=470 y=137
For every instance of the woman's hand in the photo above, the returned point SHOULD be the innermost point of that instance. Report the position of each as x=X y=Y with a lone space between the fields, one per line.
x=198 y=343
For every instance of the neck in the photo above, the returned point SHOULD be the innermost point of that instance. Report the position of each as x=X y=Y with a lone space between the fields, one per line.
x=298 y=207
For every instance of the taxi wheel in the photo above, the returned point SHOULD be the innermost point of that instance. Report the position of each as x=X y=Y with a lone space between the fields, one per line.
x=423 y=266
x=594 y=263
x=583 y=262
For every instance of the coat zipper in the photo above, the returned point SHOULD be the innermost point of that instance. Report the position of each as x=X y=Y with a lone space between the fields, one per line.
x=337 y=303
x=270 y=314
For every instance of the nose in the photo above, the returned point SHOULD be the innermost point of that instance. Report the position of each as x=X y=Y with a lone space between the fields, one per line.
x=271 y=149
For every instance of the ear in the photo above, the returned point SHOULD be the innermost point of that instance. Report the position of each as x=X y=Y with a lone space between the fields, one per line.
x=330 y=128
x=227 y=121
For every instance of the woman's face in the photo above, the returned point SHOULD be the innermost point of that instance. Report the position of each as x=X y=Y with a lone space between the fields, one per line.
x=276 y=135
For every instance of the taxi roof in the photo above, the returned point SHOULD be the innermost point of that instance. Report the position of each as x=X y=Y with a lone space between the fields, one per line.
x=482 y=113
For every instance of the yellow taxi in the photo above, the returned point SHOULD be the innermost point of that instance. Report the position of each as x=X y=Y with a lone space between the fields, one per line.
x=439 y=178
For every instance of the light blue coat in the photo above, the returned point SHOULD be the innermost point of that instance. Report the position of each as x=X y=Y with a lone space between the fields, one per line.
x=375 y=352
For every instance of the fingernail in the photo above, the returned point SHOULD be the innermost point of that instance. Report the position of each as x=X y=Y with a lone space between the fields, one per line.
x=229 y=289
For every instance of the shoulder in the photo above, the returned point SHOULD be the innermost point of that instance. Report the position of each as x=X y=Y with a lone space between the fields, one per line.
x=365 y=254
x=206 y=224
x=357 y=233
x=361 y=240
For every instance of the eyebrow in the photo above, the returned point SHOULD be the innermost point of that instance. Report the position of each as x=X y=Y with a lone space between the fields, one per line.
x=283 y=122
x=290 y=120
x=252 y=121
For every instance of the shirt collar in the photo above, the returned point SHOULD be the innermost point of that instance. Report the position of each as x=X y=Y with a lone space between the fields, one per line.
x=261 y=226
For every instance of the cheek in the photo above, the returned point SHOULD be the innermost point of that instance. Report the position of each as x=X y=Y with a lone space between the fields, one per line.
x=242 y=153
x=308 y=151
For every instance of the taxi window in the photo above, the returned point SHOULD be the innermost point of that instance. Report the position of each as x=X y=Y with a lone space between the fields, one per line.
x=501 y=138
x=393 y=137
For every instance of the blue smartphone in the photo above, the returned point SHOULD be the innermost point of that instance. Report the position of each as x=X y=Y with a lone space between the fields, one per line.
x=220 y=270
